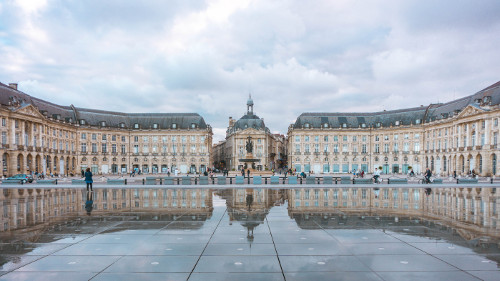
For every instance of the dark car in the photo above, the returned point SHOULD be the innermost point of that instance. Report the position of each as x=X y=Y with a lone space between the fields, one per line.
x=22 y=177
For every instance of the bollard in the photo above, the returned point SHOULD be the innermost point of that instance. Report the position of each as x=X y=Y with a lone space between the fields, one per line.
x=265 y=180
x=143 y=181
x=56 y=181
x=195 y=181
x=300 y=180
x=160 y=181
x=318 y=180
x=230 y=180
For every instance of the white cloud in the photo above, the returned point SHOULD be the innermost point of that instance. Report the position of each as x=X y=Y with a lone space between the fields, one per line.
x=206 y=56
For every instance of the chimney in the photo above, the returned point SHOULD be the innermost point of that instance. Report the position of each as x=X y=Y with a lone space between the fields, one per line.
x=13 y=85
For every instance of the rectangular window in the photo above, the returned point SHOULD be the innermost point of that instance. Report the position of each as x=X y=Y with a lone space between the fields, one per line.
x=136 y=148
x=84 y=147
x=123 y=149
x=104 y=137
x=94 y=136
x=377 y=148
x=325 y=138
x=363 y=148
x=306 y=138
x=416 y=147
x=297 y=148
x=94 y=148
x=344 y=138
x=104 y=148
x=113 y=148
x=344 y=148
x=84 y=136
x=335 y=148
x=297 y=138
x=145 y=149
x=335 y=138
x=386 y=148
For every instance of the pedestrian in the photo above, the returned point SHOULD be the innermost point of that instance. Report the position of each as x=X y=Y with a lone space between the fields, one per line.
x=83 y=173
x=88 y=179
x=243 y=172
x=248 y=173
x=454 y=174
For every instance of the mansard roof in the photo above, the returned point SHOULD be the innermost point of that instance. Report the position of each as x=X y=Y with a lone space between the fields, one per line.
x=485 y=98
x=95 y=117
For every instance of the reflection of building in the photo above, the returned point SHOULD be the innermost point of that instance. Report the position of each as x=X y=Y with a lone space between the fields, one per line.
x=460 y=136
x=250 y=206
x=473 y=209
x=41 y=136
x=21 y=208
x=267 y=148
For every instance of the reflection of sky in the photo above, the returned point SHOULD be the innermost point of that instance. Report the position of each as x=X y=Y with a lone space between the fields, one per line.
x=218 y=202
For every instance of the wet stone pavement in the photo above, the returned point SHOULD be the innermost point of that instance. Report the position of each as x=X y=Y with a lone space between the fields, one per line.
x=255 y=234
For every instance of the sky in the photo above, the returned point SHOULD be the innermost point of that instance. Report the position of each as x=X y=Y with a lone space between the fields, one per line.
x=208 y=56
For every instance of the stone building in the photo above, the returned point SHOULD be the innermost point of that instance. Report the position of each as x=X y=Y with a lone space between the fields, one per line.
x=461 y=136
x=41 y=136
x=267 y=149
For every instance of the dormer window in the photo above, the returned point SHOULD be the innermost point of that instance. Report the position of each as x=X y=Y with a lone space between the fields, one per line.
x=363 y=125
x=122 y=125
x=155 y=125
x=103 y=123
x=82 y=122
x=136 y=126
x=487 y=99
x=396 y=123
x=193 y=126
x=344 y=125
x=378 y=124
x=417 y=121
x=325 y=125
x=306 y=125
x=174 y=125
x=56 y=116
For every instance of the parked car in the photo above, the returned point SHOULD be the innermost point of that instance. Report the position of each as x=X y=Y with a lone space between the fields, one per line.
x=23 y=177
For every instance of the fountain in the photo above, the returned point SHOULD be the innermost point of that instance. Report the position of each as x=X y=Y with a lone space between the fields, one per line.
x=249 y=161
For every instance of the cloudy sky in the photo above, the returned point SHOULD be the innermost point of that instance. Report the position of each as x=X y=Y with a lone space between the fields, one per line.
x=207 y=56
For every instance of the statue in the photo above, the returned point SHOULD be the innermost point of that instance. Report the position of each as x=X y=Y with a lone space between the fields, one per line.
x=249 y=145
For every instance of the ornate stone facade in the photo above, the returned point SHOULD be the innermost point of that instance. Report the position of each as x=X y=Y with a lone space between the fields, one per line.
x=40 y=136
x=267 y=149
x=461 y=136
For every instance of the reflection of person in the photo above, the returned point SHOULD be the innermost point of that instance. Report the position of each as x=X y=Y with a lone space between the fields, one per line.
x=88 y=179
x=89 y=204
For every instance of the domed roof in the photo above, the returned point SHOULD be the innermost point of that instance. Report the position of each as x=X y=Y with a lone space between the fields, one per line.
x=250 y=100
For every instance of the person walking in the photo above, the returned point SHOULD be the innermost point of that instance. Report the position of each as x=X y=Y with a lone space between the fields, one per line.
x=88 y=179
x=248 y=173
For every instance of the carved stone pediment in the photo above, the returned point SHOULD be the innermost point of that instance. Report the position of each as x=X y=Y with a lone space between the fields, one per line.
x=29 y=110
x=469 y=111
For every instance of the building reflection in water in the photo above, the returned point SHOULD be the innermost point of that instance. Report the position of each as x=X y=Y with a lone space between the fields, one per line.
x=472 y=211
x=250 y=206
x=25 y=208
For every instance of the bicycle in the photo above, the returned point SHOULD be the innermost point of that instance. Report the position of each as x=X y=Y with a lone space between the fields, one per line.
x=424 y=181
